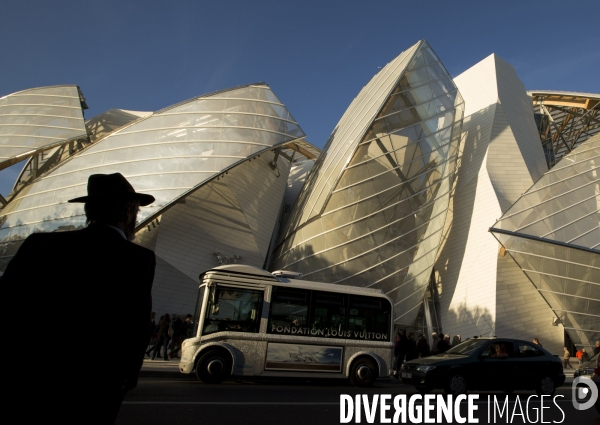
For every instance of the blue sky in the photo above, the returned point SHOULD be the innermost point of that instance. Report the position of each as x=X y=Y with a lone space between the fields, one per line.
x=315 y=55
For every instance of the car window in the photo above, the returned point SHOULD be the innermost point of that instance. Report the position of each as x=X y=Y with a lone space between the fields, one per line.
x=467 y=347
x=499 y=349
x=528 y=350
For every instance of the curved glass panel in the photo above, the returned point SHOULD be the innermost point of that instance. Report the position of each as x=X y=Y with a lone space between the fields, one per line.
x=553 y=233
x=105 y=123
x=564 y=205
x=375 y=216
x=167 y=154
x=35 y=119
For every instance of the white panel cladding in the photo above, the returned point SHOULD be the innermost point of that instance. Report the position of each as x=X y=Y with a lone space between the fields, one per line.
x=476 y=87
x=518 y=108
x=210 y=221
x=259 y=190
x=298 y=174
x=506 y=167
x=467 y=263
x=476 y=295
x=521 y=312
x=234 y=215
x=173 y=292
x=147 y=237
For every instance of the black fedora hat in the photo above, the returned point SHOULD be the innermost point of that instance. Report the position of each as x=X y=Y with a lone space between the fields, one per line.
x=112 y=186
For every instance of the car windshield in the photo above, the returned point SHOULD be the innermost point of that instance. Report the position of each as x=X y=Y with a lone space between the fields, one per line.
x=467 y=347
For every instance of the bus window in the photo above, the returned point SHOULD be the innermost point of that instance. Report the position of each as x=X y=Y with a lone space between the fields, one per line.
x=233 y=309
x=289 y=309
x=369 y=318
x=328 y=312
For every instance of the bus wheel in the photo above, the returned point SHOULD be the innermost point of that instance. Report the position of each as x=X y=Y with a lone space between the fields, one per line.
x=213 y=367
x=363 y=372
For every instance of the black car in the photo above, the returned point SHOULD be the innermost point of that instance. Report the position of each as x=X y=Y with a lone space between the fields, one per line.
x=495 y=364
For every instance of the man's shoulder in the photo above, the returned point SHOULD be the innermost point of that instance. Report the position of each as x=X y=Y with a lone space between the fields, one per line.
x=140 y=250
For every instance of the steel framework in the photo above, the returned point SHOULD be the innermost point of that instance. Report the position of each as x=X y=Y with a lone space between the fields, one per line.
x=565 y=120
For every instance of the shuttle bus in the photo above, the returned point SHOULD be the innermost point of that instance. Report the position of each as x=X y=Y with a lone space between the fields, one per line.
x=250 y=322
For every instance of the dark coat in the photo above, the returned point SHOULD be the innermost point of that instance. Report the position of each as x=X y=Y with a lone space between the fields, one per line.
x=443 y=346
x=411 y=352
x=423 y=347
x=97 y=287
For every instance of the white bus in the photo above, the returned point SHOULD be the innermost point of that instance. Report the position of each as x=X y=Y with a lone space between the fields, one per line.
x=254 y=323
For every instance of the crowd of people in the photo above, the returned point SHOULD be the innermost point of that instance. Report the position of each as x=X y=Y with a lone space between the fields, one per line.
x=407 y=348
x=166 y=336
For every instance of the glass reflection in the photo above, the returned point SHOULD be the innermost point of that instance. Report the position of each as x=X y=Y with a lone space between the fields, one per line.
x=384 y=214
x=165 y=154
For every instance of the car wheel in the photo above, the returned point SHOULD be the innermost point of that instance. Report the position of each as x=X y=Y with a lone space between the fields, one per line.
x=545 y=386
x=213 y=367
x=363 y=372
x=456 y=385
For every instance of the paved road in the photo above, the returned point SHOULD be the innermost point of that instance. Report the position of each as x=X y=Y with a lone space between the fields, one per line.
x=171 y=399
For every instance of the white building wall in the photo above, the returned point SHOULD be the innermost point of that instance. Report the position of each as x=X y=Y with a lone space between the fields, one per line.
x=521 y=312
x=501 y=157
x=234 y=215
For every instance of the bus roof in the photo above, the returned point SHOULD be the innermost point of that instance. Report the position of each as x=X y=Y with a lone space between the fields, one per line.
x=252 y=274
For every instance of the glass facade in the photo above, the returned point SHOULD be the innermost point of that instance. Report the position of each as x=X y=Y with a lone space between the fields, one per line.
x=37 y=119
x=105 y=123
x=553 y=233
x=167 y=154
x=376 y=220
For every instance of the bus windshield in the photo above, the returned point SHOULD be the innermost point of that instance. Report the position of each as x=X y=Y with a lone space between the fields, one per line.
x=232 y=309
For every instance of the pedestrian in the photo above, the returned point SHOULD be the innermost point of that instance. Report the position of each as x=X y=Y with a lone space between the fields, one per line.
x=536 y=341
x=444 y=344
x=566 y=359
x=579 y=354
x=456 y=340
x=395 y=366
x=187 y=327
x=585 y=357
x=151 y=332
x=84 y=272
x=176 y=337
x=597 y=348
x=435 y=340
x=154 y=337
x=162 y=337
x=411 y=352
x=423 y=349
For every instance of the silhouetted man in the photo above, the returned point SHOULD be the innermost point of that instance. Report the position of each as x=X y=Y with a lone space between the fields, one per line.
x=73 y=278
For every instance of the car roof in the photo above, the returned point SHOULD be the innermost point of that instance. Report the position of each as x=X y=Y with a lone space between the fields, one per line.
x=494 y=338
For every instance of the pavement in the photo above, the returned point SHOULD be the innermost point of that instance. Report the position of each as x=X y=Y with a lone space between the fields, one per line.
x=170 y=368
x=162 y=368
